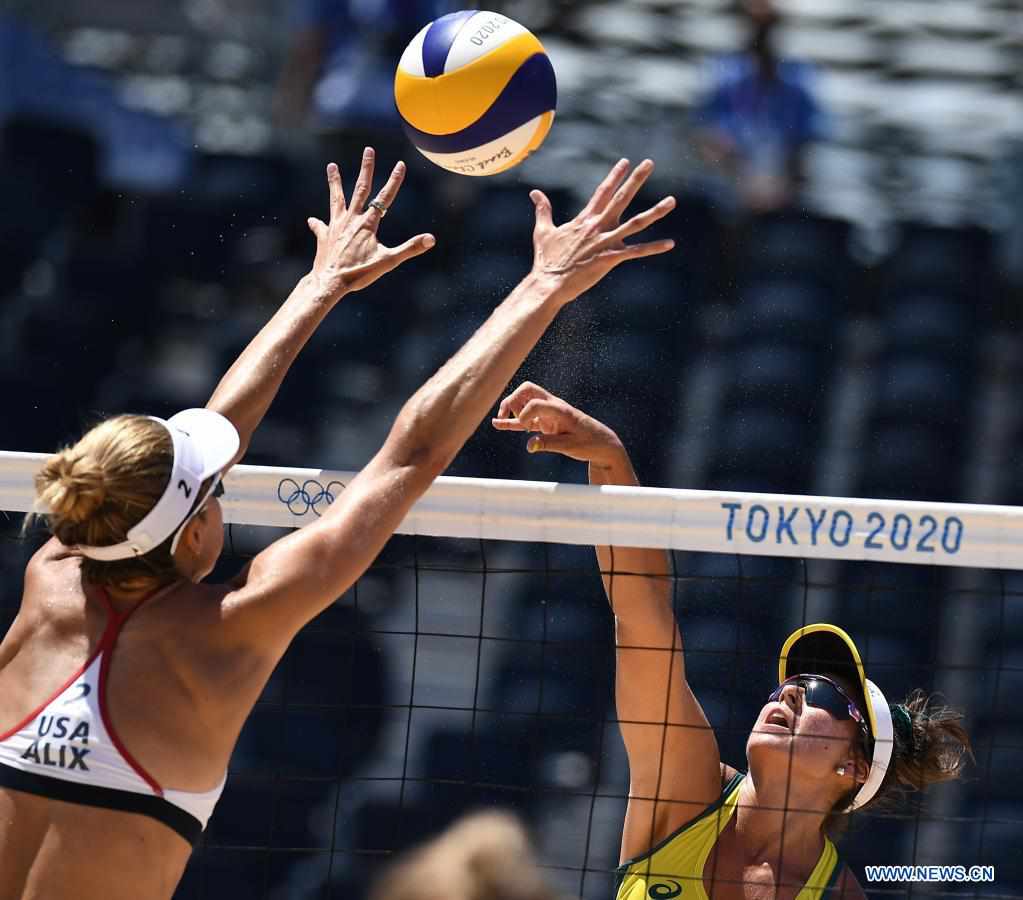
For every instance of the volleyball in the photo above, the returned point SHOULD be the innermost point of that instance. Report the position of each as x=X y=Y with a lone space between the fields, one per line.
x=476 y=92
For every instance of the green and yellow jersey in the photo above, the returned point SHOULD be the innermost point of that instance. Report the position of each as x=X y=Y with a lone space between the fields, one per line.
x=674 y=867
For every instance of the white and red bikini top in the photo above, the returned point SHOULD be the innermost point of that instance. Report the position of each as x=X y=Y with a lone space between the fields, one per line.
x=68 y=749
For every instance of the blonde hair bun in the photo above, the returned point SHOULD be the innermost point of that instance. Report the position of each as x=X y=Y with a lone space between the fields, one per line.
x=93 y=493
x=71 y=486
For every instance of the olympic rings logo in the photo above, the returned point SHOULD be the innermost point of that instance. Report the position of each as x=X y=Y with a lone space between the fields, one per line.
x=309 y=496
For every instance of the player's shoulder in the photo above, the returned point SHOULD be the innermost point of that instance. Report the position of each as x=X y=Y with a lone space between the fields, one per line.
x=51 y=550
x=49 y=569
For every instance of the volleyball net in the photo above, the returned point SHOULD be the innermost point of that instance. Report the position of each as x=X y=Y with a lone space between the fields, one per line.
x=472 y=666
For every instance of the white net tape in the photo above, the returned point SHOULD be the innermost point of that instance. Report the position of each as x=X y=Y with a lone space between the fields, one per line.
x=945 y=534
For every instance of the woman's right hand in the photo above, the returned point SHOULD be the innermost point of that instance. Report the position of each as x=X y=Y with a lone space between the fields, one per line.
x=558 y=427
x=575 y=256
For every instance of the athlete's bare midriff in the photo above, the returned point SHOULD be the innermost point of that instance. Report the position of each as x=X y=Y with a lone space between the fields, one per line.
x=177 y=697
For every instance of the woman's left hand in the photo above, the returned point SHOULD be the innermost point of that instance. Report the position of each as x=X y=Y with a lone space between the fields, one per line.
x=348 y=255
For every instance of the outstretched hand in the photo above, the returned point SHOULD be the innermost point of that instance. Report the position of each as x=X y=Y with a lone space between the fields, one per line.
x=581 y=252
x=557 y=426
x=348 y=255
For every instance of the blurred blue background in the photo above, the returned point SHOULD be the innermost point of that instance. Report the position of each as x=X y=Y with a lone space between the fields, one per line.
x=841 y=317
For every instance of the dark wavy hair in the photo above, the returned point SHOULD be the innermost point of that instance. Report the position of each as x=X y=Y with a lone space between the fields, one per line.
x=933 y=749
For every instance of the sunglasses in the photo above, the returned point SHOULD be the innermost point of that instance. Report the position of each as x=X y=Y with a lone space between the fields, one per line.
x=823 y=693
x=216 y=490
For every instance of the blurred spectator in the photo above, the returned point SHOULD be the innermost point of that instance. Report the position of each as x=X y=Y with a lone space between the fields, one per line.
x=758 y=117
x=338 y=76
x=486 y=855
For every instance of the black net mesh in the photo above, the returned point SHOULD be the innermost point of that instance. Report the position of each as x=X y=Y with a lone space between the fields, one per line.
x=464 y=674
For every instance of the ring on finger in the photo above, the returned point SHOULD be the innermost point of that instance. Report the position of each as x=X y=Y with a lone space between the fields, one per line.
x=377 y=205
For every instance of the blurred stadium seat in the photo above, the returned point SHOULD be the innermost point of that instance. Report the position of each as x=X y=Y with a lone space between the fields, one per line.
x=923 y=95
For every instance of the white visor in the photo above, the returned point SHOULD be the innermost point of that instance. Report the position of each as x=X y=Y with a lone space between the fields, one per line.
x=884 y=746
x=204 y=443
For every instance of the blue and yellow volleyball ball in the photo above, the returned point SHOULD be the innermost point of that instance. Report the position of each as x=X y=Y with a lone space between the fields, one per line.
x=476 y=92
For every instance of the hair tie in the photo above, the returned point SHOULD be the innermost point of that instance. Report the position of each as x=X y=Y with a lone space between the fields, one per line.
x=903 y=725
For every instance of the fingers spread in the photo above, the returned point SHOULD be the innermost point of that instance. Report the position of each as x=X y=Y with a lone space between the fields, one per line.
x=337 y=194
x=605 y=190
x=625 y=194
x=389 y=191
x=365 y=183
x=638 y=251
x=318 y=228
x=640 y=221
x=544 y=215
x=413 y=247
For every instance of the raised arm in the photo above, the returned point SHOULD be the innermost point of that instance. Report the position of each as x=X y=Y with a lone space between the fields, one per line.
x=348 y=258
x=300 y=575
x=674 y=763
